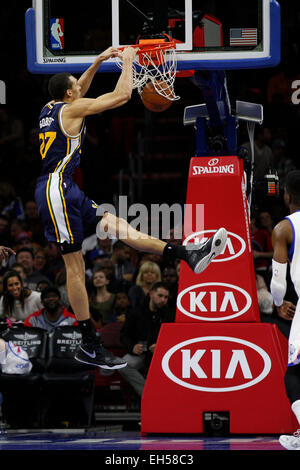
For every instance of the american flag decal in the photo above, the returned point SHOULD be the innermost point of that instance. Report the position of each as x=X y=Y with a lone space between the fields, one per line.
x=243 y=37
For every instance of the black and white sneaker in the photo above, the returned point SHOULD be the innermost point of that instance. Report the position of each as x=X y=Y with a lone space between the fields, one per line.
x=291 y=442
x=200 y=256
x=96 y=355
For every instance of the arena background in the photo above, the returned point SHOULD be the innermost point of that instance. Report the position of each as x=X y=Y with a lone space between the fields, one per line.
x=113 y=135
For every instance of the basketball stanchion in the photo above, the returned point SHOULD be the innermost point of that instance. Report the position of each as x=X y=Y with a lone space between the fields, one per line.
x=218 y=358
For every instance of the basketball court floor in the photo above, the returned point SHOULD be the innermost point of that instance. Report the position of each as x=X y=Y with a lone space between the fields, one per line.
x=119 y=449
x=115 y=439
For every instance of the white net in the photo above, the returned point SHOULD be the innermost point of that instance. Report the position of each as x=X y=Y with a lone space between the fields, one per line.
x=157 y=66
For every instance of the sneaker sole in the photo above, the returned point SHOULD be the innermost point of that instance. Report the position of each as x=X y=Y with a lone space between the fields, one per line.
x=286 y=445
x=295 y=362
x=217 y=246
x=117 y=366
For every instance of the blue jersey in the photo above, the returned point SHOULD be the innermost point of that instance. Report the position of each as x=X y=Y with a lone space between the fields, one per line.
x=65 y=210
x=60 y=152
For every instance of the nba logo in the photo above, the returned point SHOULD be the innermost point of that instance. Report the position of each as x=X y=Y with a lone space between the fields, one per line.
x=57 y=33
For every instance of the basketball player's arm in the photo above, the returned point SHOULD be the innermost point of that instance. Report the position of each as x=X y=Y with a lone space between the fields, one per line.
x=86 y=78
x=281 y=237
x=119 y=96
x=5 y=252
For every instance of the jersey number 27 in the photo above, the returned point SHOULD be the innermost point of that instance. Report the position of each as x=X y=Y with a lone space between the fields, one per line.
x=46 y=140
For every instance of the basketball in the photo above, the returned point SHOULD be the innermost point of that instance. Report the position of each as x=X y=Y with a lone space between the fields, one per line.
x=153 y=100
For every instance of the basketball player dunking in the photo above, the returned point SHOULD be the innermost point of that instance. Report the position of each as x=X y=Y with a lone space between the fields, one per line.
x=286 y=245
x=66 y=211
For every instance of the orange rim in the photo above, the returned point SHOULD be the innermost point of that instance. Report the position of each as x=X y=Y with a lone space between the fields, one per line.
x=152 y=45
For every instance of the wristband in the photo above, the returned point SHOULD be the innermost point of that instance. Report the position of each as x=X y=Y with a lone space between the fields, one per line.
x=278 y=282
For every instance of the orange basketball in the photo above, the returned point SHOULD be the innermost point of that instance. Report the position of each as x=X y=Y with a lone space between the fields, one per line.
x=153 y=100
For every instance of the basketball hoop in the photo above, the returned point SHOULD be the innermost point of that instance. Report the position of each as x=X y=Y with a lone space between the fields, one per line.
x=156 y=62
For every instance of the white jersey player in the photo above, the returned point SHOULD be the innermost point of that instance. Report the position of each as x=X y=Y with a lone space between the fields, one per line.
x=286 y=245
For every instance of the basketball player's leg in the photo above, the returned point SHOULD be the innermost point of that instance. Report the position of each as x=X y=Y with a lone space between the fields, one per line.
x=292 y=386
x=292 y=377
x=294 y=336
x=198 y=257
x=75 y=271
x=90 y=351
x=68 y=232
x=132 y=373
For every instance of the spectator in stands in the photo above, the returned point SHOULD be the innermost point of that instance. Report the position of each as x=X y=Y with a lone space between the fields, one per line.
x=262 y=248
x=5 y=238
x=40 y=261
x=29 y=167
x=122 y=307
x=20 y=269
x=11 y=132
x=124 y=269
x=284 y=161
x=92 y=259
x=17 y=301
x=61 y=284
x=266 y=221
x=279 y=151
x=24 y=239
x=94 y=247
x=33 y=223
x=11 y=140
x=100 y=299
x=115 y=285
x=143 y=257
x=279 y=86
x=149 y=273
x=25 y=256
x=263 y=155
x=170 y=278
x=177 y=267
x=1 y=283
x=52 y=314
x=44 y=267
x=16 y=227
x=5 y=252
x=264 y=296
x=13 y=204
x=55 y=262
x=139 y=334
x=41 y=285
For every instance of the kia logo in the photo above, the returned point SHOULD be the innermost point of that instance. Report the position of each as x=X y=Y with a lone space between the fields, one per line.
x=235 y=245
x=213 y=301
x=213 y=161
x=216 y=364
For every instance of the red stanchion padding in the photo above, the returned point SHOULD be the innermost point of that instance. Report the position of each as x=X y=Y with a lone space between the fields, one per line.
x=226 y=290
x=234 y=369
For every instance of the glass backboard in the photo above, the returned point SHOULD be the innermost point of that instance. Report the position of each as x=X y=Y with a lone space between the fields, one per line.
x=209 y=34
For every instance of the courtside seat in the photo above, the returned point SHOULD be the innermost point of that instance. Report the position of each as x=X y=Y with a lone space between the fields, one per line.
x=108 y=383
x=68 y=386
x=110 y=336
x=33 y=341
x=3 y=326
x=22 y=393
x=112 y=391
